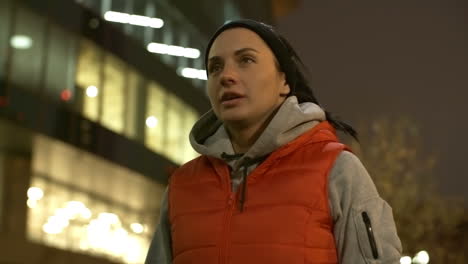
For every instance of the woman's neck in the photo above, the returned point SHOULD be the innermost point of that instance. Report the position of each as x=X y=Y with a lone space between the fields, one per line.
x=243 y=135
x=243 y=139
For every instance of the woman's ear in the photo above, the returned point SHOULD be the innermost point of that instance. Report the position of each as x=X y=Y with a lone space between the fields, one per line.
x=285 y=89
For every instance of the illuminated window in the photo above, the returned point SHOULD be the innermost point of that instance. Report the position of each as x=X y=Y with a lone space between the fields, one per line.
x=80 y=202
x=113 y=94
x=175 y=129
x=155 y=119
x=191 y=116
x=27 y=48
x=168 y=123
x=109 y=89
x=130 y=105
x=88 y=78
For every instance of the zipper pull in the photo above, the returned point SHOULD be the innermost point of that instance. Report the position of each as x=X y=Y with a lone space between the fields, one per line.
x=370 y=235
x=231 y=199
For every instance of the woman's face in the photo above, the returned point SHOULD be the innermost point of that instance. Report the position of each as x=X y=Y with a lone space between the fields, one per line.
x=244 y=83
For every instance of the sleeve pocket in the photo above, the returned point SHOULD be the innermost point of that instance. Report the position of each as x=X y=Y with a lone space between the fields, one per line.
x=376 y=232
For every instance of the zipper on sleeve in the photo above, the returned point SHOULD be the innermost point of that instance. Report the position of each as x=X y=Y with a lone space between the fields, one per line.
x=370 y=235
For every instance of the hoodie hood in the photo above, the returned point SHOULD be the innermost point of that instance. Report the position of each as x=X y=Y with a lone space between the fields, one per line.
x=209 y=136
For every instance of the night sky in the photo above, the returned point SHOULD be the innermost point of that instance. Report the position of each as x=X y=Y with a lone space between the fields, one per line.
x=390 y=58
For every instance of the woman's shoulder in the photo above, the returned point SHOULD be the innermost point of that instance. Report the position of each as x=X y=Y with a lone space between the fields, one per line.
x=186 y=171
x=349 y=175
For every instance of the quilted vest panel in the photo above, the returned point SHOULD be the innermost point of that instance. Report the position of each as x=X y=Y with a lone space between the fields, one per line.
x=285 y=218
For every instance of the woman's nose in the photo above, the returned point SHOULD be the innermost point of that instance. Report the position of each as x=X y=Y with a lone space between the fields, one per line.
x=229 y=76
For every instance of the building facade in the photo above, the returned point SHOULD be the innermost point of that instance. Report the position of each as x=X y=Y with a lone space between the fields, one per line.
x=97 y=98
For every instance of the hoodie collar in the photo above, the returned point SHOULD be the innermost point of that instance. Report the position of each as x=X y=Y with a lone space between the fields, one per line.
x=209 y=136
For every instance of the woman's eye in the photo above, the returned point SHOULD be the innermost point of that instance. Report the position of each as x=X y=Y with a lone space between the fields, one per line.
x=247 y=60
x=214 y=68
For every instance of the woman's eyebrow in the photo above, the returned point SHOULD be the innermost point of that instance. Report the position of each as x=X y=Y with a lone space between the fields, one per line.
x=214 y=59
x=236 y=53
x=240 y=51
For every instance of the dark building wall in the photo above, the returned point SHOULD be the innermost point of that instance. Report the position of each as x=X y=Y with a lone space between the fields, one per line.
x=208 y=15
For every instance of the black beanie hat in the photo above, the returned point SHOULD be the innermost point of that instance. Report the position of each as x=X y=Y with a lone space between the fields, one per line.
x=272 y=39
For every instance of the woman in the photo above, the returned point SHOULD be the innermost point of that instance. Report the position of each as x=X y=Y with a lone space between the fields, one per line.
x=272 y=184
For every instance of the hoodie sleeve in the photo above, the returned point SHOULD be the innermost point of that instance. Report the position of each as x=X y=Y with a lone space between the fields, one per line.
x=364 y=228
x=160 y=250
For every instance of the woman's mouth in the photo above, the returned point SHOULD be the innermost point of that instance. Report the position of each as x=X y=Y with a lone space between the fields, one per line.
x=231 y=98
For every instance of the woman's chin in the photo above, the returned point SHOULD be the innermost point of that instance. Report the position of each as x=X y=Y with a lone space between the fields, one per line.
x=233 y=116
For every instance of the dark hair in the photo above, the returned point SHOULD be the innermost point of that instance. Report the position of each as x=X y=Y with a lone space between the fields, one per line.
x=304 y=93
x=288 y=62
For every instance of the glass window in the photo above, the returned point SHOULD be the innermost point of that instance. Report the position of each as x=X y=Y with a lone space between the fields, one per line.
x=88 y=204
x=88 y=78
x=5 y=18
x=156 y=119
x=28 y=50
x=113 y=94
x=109 y=89
x=130 y=103
x=175 y=129
x=191 y=116
x=60 y=68
x=2 y=190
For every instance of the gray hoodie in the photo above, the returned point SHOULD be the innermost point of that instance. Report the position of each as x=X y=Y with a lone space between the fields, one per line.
x=364 y=228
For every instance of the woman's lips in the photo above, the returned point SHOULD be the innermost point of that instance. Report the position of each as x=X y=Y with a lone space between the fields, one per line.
x=231 y=98
x=232 y=102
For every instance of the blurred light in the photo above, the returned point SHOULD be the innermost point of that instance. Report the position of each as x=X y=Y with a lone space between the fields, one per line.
x=76 y=205
x=109 y=218
x=21 y=42
x=51 y=229
x=84 y=244
x=3 y=101
x=31 y=203
x=137 y=228
x=92 y=91
x=421 y=258
x=65 y=95
x=35 y=193
x=193 y=73
x=173 y=50
x=192 y=53
x=59 y=220
x=136 y=20
x=151 y=122
x=86 y=213
x=134 y=250
x=98 y=233
x=120 y=233
x=117 y=242
x=405 y=260
x=78 y=208
x=65 y=213
x=72 y=209
x=98 y=227
x=55 y=224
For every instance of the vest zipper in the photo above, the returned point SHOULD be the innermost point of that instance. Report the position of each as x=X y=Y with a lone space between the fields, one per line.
x=370 y=235
x=223 y=250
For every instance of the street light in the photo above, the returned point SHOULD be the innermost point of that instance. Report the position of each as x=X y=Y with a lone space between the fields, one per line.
x=421 y=258
x=405 y=260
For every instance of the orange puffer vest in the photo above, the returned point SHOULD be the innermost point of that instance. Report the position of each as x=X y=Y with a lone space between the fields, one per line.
x=286 y=216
